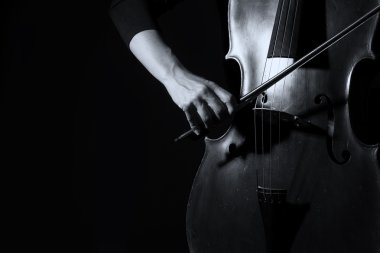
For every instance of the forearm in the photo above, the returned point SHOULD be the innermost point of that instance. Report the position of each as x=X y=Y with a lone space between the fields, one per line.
x=149 y=48
x=202 y=100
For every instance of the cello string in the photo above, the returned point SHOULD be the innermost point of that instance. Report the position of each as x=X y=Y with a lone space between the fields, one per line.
x=256 y=106
x=255 y=118
x=284 y=81
x=274 y=90
x=263 y=98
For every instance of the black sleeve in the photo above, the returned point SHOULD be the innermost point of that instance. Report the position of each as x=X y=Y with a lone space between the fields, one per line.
x=133 y=16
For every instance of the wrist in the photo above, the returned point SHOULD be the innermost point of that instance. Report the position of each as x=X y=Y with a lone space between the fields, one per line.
x=173 y=72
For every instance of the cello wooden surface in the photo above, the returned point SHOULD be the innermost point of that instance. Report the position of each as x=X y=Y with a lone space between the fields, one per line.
x=291 y=174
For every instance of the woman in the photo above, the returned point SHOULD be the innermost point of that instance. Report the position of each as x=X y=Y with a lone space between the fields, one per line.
x=203 y=101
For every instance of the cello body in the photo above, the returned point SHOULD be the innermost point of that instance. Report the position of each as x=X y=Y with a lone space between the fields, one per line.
x=291 y=174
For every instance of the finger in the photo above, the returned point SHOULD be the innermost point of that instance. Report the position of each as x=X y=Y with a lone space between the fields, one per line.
x=205 y=113
x=227 y=98
x=216 y=105
x=193 y=119
x=232 y=105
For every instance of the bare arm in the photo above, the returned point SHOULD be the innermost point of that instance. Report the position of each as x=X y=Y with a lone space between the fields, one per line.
x=203 y=101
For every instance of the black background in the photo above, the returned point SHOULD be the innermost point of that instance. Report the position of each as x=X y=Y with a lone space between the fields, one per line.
x=90 y=164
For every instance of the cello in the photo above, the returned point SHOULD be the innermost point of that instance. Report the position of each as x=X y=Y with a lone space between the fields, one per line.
x=293 y=172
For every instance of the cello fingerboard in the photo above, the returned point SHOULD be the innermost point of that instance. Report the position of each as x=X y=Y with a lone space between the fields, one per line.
x=285 y=31
x=299 y=27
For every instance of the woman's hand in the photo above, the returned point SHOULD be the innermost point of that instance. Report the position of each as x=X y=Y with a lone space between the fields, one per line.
x=203 y=101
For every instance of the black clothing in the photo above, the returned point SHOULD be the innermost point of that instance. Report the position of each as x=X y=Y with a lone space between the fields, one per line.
x=133 y=16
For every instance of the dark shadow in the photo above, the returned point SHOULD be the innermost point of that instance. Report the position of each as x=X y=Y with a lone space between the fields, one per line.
x=281 y=219
x=269 y=128
x=312 y=32
x=364 y=101
x=300 y=26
